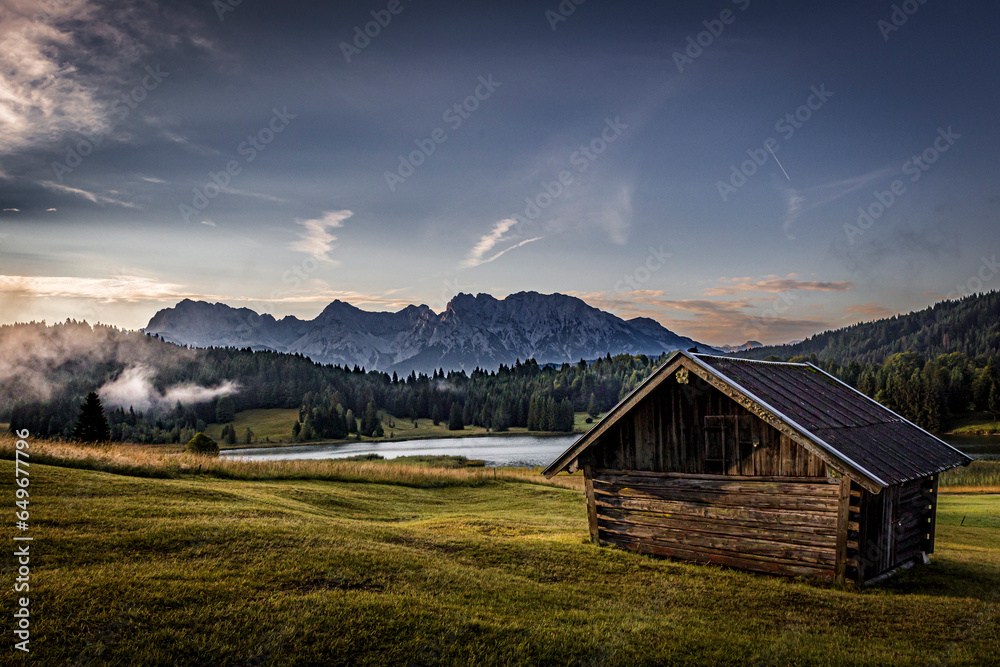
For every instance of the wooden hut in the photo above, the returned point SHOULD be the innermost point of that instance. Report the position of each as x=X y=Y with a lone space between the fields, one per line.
x=764 y=466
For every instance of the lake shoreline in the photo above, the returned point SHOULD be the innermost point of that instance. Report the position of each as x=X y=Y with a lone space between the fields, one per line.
x=377 y=441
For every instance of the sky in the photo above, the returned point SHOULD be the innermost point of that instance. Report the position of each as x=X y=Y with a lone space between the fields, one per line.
x=736 y=169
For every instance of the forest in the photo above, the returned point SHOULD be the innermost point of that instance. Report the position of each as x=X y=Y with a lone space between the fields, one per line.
x=157 y=392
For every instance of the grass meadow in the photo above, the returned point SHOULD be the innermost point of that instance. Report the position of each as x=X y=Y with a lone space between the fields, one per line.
x=146 y=556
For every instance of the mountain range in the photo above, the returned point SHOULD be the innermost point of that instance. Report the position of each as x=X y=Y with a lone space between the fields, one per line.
x=472 y=331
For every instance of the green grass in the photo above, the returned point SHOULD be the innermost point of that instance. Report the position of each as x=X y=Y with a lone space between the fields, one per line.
x=202 y=570
x=275 y=424
x=979 y=423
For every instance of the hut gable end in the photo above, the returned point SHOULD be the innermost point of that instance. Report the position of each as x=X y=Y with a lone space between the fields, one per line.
x=695 y=428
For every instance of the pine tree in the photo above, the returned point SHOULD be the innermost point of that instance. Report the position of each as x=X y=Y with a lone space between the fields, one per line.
x=370 y=422
x=248 y=436
x=565 y=412
x=592 y=408
x=455 y=418
x=296 y=430
x=92 y=424
x=224 y=410
x=993 y=403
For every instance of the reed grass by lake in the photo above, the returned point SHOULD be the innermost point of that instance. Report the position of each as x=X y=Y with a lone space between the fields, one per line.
x=159 y=461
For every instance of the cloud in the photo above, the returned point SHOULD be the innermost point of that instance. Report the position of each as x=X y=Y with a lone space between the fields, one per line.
x=256 y=195
x=711 y=321
x=775 y=285
x=134 y=388
x=316 y=240
x=799 y=201
x=49 y=210
x=89 y=196
x=487 y=242
x=121 y=288
x=516 y=245
x=208 y=222
x=869 y=311
x=12 y=210
x=65 y=63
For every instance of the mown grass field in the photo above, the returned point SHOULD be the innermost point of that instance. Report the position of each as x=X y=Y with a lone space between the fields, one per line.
x=379 y=563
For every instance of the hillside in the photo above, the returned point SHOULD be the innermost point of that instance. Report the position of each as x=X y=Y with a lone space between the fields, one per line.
x=473 y=331
x=326 y=563
x=970 y=325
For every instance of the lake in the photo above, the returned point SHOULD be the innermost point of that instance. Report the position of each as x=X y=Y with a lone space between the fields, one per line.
x=522 y=450
x=515 y=450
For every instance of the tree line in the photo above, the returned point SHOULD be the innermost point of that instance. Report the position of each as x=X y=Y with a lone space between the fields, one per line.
x=334 y=402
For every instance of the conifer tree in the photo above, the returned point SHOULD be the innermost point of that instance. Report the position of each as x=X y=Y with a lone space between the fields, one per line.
x=92 y=424
x=993 y=403
x=455 y=422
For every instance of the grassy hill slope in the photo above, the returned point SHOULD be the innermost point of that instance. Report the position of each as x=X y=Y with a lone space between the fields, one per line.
x=203 y=570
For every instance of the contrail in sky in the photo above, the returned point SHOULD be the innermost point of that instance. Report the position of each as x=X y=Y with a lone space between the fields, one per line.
x=779 y=163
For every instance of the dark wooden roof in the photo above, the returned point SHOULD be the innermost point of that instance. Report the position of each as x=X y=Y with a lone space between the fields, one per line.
x=855 y=434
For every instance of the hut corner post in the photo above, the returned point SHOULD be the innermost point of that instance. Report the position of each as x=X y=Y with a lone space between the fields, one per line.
x=843 y=518
x=588 y=478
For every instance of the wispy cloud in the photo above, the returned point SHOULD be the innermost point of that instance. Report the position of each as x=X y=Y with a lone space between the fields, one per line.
x=43 y=95
x=487 y=242
x=774 y=285
x=12 y=210
x=120 y=288
x=799 y=201
x=316 y=239
x=256 y=195
x=89 y=196
x=869 y=311
x=712 y=321
x=479 y=253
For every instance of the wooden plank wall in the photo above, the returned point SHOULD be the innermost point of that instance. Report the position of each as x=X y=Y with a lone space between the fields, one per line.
x=780 y=525
x=666 y=432
x=893 y=527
